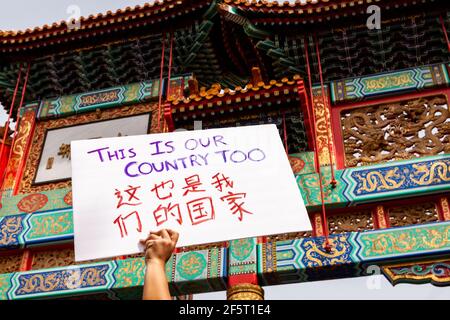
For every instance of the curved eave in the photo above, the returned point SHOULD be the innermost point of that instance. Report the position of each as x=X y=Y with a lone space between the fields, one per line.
x=298 y=8
x=99 y=25
x=275 y=92
x=264 y=12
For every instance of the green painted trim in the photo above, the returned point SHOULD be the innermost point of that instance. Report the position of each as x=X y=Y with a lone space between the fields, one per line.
x=100 y=99
x=112 y=97
x=242 y=256
x=55 y=201
x=399 y=179
x=59 y=282
x=351 y=189
x=115 y=278
x=412 y=79
x=306 y=260
x=285 y=262
x=5 y=284
x=53 y=222
x=398 y=243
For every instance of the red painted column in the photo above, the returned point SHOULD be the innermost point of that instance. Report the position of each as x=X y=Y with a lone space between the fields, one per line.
x=380 y=217
x=21 y=149
x=444 y=209
x=4 y=158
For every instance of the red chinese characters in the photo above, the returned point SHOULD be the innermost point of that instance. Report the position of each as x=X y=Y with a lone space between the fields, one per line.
x=161 y=187
x=171 y=200
x=235 y=206
x=193 y=184
x=162 y=213
x=121 y=222
x=220 y=182
x=201 y=210
x=132 y=198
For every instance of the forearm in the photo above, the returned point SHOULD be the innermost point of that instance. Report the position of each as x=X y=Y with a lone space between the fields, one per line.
x=156 y=286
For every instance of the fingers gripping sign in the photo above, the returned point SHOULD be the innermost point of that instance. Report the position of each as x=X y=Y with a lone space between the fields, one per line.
x=159 y=245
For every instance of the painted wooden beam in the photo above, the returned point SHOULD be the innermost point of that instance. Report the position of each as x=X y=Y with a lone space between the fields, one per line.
x=108 y=98
x=396 y=82
x=208 y=270
x=392 y=180
x=242 y=259
x=50 y=221
x=306 y=259
x=188 y=272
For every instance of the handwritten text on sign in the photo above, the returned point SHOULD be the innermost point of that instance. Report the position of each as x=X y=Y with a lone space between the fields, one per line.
x=211 y=185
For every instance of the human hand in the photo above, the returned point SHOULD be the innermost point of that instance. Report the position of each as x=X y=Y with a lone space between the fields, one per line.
x=159 y=245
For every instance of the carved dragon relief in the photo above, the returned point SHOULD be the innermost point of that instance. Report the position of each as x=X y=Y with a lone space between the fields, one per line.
x=396 y=131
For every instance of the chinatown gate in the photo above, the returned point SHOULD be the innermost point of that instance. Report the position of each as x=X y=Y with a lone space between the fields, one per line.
x=363 y=114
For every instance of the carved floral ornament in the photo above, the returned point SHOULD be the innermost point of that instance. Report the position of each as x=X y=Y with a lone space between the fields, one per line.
x=399 y=216
x=436 y=272
x=10 y=263
x=396 y=131
x=350 y=222
x=52 y=259
x=413 y=214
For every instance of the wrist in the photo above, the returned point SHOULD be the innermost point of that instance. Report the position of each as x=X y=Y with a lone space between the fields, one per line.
x=155 y=262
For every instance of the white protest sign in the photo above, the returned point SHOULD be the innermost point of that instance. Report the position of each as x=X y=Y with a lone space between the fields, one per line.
x=209 y=185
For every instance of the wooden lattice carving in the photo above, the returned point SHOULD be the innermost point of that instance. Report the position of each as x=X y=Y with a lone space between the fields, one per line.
x=289 y=236
x=57 y=258
x=350 y=222
x=413 y=214
x=10 y=263
x=52 y=259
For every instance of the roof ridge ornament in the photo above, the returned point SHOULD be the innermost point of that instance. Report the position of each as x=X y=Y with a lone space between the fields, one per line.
x=257 y=79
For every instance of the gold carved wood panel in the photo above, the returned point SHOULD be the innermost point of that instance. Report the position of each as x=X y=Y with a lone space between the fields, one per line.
x=289 y=236
x=52 y=259
x=396 y=131
x=350 y=222
x=38 y=141
x=324 y=134
x=413 y=214
x=10 y=263
x=19 y=149
x=57 y=258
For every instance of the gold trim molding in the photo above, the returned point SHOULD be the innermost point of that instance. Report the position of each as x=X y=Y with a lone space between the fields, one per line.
x=26 y=184
x=245 y=291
